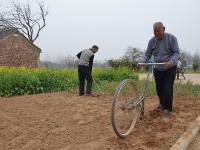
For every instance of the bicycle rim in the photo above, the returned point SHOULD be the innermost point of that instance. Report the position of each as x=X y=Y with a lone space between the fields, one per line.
x=123 y=117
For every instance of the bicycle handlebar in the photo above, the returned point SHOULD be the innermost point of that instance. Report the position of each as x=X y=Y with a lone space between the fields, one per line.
x=148 y=64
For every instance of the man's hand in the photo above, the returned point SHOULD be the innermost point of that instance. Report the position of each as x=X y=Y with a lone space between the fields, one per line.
x=168 y=65
x=140 y=65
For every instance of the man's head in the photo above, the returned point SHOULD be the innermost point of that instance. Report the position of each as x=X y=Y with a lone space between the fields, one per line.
x=159 y=30
x=94 y=48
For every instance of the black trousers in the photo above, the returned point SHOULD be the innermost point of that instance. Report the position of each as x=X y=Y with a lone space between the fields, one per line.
x=164 y=86
x=85 y=73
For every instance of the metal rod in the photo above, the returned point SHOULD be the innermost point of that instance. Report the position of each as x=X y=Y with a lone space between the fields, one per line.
x=148 y=64
x=100 y=90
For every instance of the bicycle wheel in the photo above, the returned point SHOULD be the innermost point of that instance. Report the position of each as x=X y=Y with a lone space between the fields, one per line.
x=124 y=113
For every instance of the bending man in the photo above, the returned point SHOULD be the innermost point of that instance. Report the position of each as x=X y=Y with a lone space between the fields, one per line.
x=85 y=65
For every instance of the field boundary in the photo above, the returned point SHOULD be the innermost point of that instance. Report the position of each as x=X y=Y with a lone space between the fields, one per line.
x=184 y=141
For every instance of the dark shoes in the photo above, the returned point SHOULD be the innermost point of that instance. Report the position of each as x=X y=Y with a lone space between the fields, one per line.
x=166 y=113
x=159 y=108
x=91 y=95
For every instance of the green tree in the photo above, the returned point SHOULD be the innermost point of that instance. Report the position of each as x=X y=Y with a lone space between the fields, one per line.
x=196 y=62
x=183 y=59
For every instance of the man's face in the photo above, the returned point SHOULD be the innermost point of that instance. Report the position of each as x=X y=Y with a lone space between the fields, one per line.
x=159 y=32
x=94 y=50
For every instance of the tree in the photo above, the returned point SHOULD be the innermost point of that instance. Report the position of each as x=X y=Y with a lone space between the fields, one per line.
x=183 y=59
x=117 y=63
x=196 y=61
x=23 y=18
x=133 y=54
x=130 y=59
x=68 y=61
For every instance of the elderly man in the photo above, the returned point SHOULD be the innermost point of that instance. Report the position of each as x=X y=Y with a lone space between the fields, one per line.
x=164 y=49
x=85 y=65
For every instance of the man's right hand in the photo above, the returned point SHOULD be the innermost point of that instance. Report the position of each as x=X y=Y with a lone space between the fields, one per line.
x=168 y=65
x=140 y=65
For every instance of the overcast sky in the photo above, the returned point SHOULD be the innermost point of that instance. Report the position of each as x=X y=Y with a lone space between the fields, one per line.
x=114 y=25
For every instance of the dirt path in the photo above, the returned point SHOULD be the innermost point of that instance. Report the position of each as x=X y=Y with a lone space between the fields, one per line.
x=194 y=78
x=65 y=121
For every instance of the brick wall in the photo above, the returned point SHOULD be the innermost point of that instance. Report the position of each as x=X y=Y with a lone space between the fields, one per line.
x=16 y=51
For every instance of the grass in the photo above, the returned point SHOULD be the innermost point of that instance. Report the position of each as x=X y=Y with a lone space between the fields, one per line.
x=188 y=89
x=20 y=81
x=192 y=71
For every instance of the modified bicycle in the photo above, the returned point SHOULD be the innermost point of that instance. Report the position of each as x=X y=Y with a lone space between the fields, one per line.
x=128 y=104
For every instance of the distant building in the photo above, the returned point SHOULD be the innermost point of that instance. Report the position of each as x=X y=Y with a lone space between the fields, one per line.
x=16 y=50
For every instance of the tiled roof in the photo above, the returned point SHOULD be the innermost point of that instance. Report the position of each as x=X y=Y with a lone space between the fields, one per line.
x=5 y=31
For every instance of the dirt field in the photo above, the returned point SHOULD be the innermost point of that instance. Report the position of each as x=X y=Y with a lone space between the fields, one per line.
x=195 y=145
x=65 y=121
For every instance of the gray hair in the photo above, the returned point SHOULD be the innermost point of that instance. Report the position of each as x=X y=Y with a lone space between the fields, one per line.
x=158 y=25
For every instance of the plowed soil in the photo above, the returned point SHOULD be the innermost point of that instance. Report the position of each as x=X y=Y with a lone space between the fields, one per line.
x=65 y=121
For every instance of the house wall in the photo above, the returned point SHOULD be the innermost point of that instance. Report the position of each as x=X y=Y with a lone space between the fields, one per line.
x=16 y=51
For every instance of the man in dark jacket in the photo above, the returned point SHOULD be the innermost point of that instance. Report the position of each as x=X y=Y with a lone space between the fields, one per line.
x=85 y=64
x=164 y=48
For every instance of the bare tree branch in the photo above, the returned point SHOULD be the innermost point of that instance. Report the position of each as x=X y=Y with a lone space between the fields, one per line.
x=24 y=19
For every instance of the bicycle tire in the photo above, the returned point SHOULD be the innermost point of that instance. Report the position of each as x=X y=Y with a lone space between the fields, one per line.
x=121 y=122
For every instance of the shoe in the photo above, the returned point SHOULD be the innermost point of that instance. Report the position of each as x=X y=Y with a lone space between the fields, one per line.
x=81 y=94
x=166 y=113
x=92 y=95
x=160 y=108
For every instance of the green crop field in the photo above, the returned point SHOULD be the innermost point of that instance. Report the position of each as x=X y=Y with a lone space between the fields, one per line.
x=21 y=81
